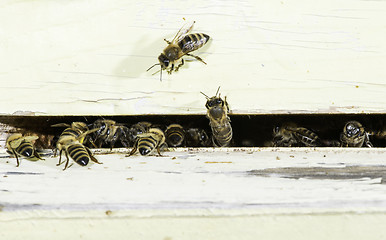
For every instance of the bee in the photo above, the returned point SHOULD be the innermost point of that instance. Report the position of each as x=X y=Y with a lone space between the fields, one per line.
x=20 y=146
x=354 y=135
x=147 y=142
x=109 y=132
x=175 y=135
x=217 y=113
x=197 y=137
x=73 y=148
x=74 y=130
x=181 y=45
x=136 y=129
x=290 y=135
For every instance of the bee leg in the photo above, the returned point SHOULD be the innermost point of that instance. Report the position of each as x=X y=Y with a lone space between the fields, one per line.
x=171 y=69
x=158 y=151
x=196 y=57
x=37 y=156
x=17 y=159
x=134 y=148
x=60 y=158
x=167 y=41
x=367 y=141
x=179 y=65
x=161 y=146
x=67 y=161
x=91 y=156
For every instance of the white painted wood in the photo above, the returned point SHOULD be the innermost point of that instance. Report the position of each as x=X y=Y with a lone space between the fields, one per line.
x=195 y=178
x=202 y=193
x=83 y=58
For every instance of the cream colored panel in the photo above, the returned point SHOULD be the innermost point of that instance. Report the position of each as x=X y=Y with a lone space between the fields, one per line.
x=82 y=57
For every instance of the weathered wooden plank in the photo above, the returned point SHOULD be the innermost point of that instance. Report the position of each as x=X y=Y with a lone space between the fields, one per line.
x=211 y=178
x=74 y=58
x=271 y=193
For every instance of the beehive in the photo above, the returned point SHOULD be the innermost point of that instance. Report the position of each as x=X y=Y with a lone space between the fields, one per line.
x=88 y=59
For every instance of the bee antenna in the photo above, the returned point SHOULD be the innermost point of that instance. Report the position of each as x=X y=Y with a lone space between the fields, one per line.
x=217 y=91
x=153 y=66
x=160 y=76
x=205 y=95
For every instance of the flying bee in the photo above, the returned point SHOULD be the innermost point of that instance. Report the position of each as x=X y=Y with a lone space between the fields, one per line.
x=181 y=45
x=136 y=129
x=219 y=121
x=109 y=132
x=354 y=135
x=197 y=137
x=73 y=148
x=20 y=146
x=175 y=135
x=290 y=135
x=147 y=142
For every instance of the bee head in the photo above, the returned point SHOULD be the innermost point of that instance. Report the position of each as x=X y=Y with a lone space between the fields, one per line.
x=352 y=128
x=214 y=102
x=164 y=61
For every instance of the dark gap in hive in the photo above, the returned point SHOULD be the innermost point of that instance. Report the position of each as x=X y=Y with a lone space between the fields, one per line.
x=249 y=130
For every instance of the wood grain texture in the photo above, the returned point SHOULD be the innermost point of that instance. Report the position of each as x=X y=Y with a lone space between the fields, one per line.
x=234 y=178
x=77 y=58
x=271 y=193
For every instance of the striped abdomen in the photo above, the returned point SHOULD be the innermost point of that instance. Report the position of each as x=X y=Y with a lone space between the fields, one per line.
x=71 y=132
x=78 y=153
x=193 y=42
x=222 y=133
x=146 y=145
x=175 y=135
x=25 y=149
x=306 y=137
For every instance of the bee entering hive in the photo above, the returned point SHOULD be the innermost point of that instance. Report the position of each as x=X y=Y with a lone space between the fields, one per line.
x=284 y=130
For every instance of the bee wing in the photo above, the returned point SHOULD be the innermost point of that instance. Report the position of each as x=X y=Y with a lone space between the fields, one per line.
x=61 y=125
x=15 y=143
x=29 y=138
x=182 y=32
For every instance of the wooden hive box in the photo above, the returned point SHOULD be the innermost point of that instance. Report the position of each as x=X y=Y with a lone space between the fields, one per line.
x=87 y=59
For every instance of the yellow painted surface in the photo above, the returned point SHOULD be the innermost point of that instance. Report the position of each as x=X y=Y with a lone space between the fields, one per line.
x=169 y=225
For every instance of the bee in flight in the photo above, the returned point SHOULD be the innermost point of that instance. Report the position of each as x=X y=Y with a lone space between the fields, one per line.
x=181 y=45
x=147 y=142
x=354 y=135
x=20 y=146
x=220 y=123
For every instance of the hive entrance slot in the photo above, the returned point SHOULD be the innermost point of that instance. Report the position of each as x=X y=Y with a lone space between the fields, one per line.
x=248 y=130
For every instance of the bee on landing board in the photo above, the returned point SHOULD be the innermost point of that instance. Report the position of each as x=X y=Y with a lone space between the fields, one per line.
x=20 y=146
x=75 y=129
x=109 y=132
x=354 y=135
x=217 y=113
x=175 y=135
x=147 y=142
x=181 y=45
x=73 y=148
x=137 y=129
